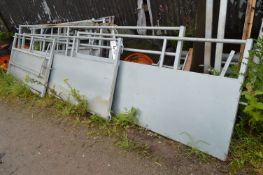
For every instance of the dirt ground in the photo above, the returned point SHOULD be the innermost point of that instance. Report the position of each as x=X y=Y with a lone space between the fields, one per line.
x=33 y=142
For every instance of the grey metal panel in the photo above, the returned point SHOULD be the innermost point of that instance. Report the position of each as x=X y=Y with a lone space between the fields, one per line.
x=94 y=78
x=23 y=65
x=195 y=109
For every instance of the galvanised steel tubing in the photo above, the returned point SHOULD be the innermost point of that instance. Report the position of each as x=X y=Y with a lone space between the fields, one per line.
x=131 y=50
x=103 y=27
x=38 y=36
x=192 y=39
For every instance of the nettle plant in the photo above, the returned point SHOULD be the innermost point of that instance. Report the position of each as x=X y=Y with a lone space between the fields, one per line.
x=253 y=92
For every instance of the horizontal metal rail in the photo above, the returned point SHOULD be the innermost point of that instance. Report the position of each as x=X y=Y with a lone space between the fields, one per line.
x=191 y=39
x=104 y=27
x=44 y=36
x=130 y=50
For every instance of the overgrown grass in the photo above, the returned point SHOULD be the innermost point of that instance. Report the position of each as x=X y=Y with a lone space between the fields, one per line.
x=247 y=144
x=10 y=88
x=129 y=145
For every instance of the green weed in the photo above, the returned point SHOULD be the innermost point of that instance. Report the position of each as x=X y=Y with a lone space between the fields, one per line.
x=246 y=150
x=127 y=144
x=10 y=87
x=4 y=36
x=247 y=144
x=126 y=119
x=80 y=108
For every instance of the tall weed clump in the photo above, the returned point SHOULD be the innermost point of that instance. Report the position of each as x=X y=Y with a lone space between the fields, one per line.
x=253 y=90
x=247 y=144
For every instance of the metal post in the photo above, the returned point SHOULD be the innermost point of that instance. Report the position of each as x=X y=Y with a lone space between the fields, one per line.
x=179 y=48
x=66 y=52
x=261 y=30
x=221 y=34
x=31 y=44
x=227 y=64
x=208 y=34
x=23 y=42
x=73 y=47
x=49 y=67
x=163 y=53
x=244 y=64
x=19 y=41
x=41 y=43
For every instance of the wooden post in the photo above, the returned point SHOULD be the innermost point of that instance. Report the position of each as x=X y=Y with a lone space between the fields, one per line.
x=198 y=53
x=250 y=13
x=189 y=60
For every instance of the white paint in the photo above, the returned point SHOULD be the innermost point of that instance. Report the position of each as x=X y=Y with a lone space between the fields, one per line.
x=208 y=34
x=195 y=109
x=46 y=9
x=227 y=64
x=220 y=34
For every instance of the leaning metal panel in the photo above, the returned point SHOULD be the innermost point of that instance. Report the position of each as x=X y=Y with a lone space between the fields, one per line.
x=93 y=77
x=32 y=67
x=198 y=110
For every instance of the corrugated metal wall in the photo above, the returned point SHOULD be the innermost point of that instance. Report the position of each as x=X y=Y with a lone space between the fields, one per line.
x=167 y=12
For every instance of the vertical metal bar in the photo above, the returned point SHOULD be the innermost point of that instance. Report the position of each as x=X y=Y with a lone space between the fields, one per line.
x=244 y=64
x=73 y=47
x=23 y=42
x=12 y=53
x=208 y=34
x=261 y=30
x=229 y=59
x=163 y=53
x=221 y=34
x=78 y=43
x=52 y=31
x=41 y=43
x=31 y=44
x=179 y=48
x=18 y=37
x=117 y=52
x=67 y=44
x=59 y=32
x=49 y=68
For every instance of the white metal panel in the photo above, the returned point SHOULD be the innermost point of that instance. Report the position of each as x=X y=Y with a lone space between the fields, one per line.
x=94 y=78
x=28 y=65
x=195 y=109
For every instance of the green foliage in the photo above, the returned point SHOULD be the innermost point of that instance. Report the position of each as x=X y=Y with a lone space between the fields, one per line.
x=126 y=119
x=246 y=150
x=10 y=87
x=247 y=144
x=80 y=108
x=37 y=46
x=254 y=109
x=129 y=145
x=253 y=91
x=4 y=36
x=255 y=73
x=212 y=71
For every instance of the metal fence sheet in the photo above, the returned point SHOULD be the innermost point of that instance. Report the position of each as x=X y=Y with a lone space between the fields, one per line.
x=198 y=110
x=27 y=66
x=94 y=78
